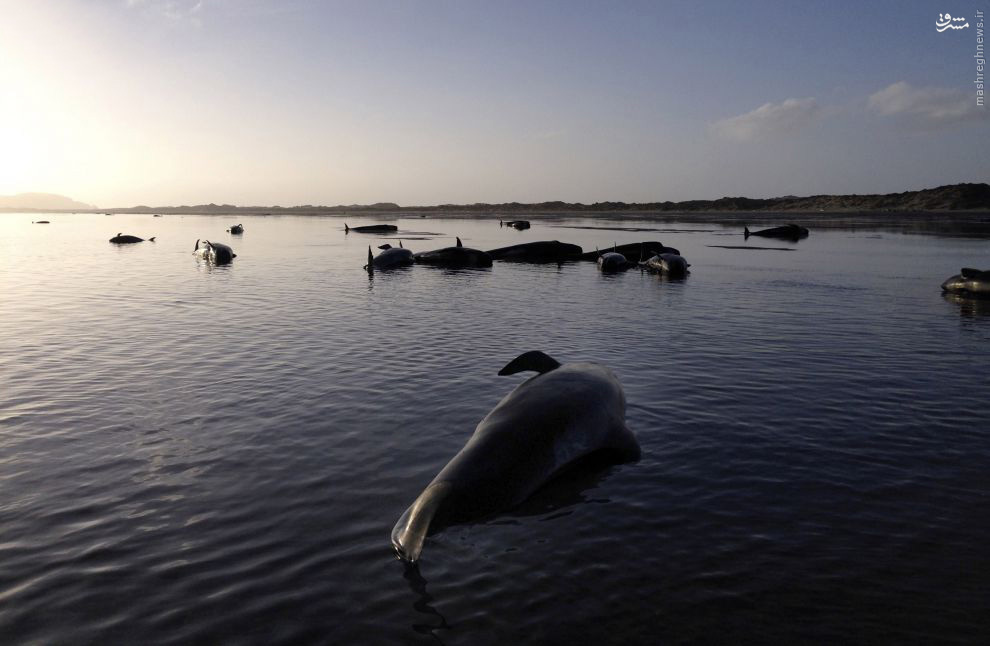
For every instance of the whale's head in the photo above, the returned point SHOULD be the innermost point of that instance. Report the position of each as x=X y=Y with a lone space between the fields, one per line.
x=410 y=532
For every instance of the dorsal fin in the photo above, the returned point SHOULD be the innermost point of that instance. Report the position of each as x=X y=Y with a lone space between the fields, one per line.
x=400 y=245
x=151 y=239
x=346 y=228
x=117 y=236
x=459 y=243
x=533 y=360
x=196 y=248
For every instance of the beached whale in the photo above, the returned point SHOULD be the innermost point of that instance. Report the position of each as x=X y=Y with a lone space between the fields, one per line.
x=638 y=250
x=785 y=232
x=565 y=413
x=613 y=261
x=214 y=252
x=544 y=251
x=390 y=258
x=968 y=282
x=670 y=264
x=515 y=224
x=459 y=256
x=371 y=228
x=122 y=239
x=237 y=228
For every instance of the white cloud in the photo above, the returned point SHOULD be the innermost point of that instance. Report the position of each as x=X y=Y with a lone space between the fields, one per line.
x=932 y=105
x=768 y=119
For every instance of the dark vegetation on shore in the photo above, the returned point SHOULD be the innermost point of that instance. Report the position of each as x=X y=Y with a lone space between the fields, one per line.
x=954 y=197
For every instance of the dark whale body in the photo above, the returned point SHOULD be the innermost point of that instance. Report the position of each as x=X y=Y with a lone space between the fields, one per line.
x=968 y=282
x=122 y=239
x=237 y=228
x=562 y=415
x=786 y=232
x=390 y=258
x=613 y=261
x=515 y=224
x=634 y=250
x=670 y=264
x=459 y=256
x=214 y=252
x=371 y=228
x=544 y=251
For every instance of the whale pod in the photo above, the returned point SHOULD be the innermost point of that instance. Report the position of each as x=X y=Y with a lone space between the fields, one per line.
x=563 y=414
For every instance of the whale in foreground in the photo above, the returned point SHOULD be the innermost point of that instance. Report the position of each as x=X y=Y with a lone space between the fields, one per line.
x=390 y=258
x=543 y=251
x=968 y=282
x=454 y=257
x=670 y=264
x=785 y=232
x=563 y=414
x=128 y=239
x=215 y=252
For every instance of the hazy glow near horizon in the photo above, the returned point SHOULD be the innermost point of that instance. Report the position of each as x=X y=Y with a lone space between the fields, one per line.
x=302 y=102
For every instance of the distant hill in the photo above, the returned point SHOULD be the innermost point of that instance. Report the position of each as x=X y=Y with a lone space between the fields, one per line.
x=944 y=198
x=42 y=202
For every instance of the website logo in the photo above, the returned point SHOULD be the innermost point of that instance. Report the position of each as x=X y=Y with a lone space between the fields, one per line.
x=945 y=22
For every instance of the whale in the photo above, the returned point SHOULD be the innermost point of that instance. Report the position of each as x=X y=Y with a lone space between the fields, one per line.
x=785 y=232
x=390 y=258
x=633 y=250
x=458 y=256
x=670 y=264
x=122 y=239
x=968 y=282
x=515 y=224
x=214 y=252
x=237 y=228
x=543 y=251
x=40 y=222
x=611 y=261
x=564 y=414
x=371 y=228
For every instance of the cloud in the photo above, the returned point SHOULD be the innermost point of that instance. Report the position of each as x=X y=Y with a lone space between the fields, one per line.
x=767 y=120
x=931 y=105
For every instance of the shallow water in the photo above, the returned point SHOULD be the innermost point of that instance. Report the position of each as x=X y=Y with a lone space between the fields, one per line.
x=192 y=453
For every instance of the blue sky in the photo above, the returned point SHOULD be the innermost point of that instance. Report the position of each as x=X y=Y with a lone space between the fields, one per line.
x=302 y=102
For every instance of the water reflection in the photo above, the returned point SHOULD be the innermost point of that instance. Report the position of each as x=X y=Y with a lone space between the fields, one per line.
x=969 y=306
x=423 y=603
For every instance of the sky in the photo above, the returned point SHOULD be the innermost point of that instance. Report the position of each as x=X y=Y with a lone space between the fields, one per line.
x=292 y=102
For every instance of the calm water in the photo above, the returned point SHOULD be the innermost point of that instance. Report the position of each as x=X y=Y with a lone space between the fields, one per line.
x=218 y=454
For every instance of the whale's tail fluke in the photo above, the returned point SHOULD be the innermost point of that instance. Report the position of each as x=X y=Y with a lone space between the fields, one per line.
x=533 y=360
x=410 y=532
